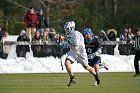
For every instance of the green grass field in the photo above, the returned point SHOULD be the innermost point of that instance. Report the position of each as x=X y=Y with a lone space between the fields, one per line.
x=57 y=83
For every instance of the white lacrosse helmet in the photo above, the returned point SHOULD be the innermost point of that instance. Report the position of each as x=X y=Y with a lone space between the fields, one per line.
x=73 y=24
x=69 y=26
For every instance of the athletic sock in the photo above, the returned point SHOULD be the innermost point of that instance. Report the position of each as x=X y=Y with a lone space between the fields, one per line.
x=97 y=78
x=72 y=77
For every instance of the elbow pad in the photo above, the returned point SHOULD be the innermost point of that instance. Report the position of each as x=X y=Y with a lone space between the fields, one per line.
x=75 y=47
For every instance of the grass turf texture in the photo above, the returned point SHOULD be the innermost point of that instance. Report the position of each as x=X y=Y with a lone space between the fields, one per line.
x=57 y=83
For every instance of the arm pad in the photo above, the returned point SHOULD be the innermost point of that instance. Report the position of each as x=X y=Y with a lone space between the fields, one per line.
x=75 y=47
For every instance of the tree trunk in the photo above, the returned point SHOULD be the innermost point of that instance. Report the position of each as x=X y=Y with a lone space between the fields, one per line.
x=114 y=8
x=106 y=5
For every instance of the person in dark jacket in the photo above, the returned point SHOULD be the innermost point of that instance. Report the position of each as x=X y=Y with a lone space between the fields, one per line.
x=137 y=53
x=112 y=37
x=21 y=50
x=36 y=48
x=1 y=45
x=1 y=33
x=124 y=49
x=46 y=49
x=103 y=37
x=42 y=23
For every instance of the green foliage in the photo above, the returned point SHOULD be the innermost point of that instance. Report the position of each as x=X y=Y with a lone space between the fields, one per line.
x=86 y=13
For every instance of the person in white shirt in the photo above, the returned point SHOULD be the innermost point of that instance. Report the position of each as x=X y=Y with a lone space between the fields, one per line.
x=7 y=46
x=77 y=52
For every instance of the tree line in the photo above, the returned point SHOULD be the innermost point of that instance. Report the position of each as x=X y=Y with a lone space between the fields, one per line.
x=96 y=14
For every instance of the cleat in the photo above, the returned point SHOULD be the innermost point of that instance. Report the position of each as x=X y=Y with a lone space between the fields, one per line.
x=105 y=65
x=136 y=75
x=95 y=83
x=72 y=81
x=97 y=79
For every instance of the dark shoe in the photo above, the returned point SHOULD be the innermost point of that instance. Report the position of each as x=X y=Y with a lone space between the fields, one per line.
x=72 y=81
x=136 y=75
x=97 y=79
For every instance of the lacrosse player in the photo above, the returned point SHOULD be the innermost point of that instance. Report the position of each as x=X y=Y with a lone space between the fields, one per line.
x=77 y=52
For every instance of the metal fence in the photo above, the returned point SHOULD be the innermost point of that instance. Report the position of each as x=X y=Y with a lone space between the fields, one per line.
x=45 y=49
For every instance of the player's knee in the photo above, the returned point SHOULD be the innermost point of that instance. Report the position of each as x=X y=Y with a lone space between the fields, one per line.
x=86 y=67
x=67 y=63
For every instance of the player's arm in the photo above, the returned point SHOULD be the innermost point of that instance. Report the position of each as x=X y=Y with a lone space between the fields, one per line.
x=76 y=40
x=98 y=45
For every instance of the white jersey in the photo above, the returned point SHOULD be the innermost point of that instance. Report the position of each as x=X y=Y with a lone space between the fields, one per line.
x=76 y=38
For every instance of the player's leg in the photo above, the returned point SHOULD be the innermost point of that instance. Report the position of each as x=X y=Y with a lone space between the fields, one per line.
x=68 y=67
x=71 y=58
x=92 y=71
x=94 y=63
x=103 y=65
x=96 y=67
x=82 y=58
x=68 y=63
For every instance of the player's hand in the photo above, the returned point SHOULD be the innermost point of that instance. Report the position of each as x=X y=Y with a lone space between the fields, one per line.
x=98 y=53
x=63 y=45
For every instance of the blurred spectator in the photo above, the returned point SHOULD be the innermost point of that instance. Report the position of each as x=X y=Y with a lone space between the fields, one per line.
x=125 y=49
x=45 y=37
x=103 y=37
x=42 y=24
x=46 y=49
x=1 y=45
x=36 y=48
x=52 y=33
x=6 y=45
x=112 y=37
x=31 y=21
x=21 y=50
x=57 y=51
x=1 y=33
x=130 y=34
x=124 y=35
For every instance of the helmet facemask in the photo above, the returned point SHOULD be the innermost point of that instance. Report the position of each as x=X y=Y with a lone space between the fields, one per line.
x=69 y=26
x=87 y=33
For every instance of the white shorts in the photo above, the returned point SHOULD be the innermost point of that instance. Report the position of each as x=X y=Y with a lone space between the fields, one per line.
x=79 y=57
